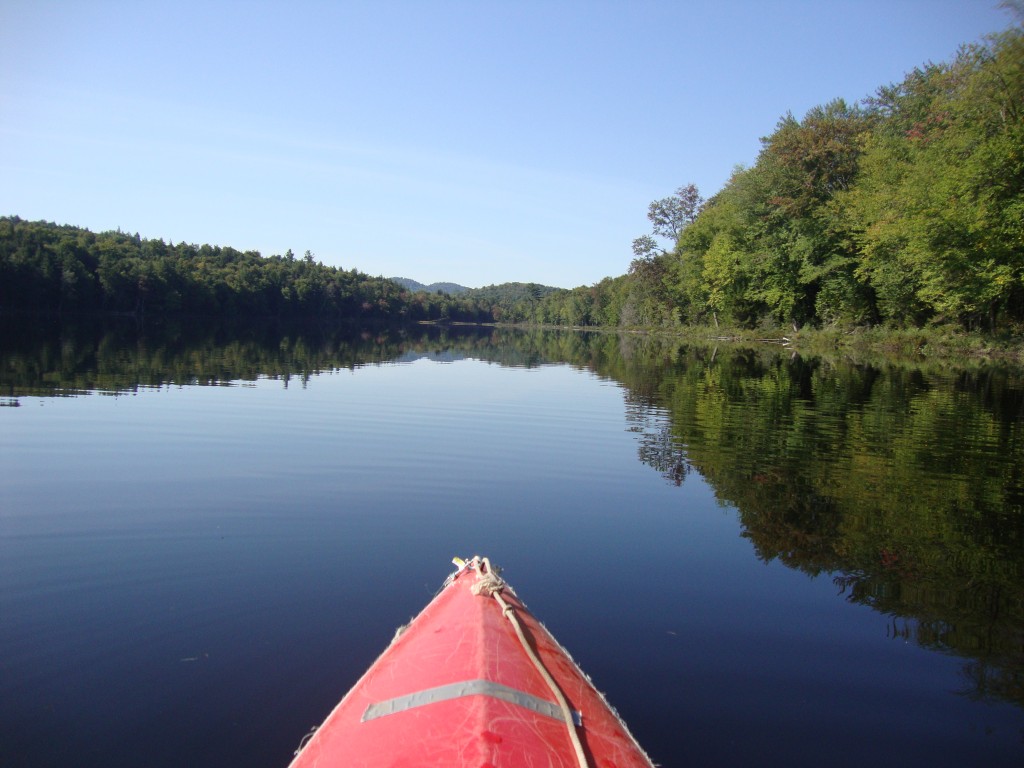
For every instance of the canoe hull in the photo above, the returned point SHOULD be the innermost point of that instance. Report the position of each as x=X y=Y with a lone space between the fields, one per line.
x=457 y=688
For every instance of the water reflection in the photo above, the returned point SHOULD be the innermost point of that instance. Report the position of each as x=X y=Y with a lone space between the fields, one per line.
x=50 y=358
x=904 y=484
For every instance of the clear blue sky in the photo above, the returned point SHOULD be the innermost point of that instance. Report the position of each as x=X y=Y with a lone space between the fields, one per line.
x=476 y=142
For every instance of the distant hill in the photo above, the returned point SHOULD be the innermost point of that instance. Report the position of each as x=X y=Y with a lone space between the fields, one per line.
x=506 y=292
x=452 y=289
x=511 y=292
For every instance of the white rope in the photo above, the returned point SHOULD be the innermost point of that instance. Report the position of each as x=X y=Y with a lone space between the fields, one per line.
x=305 y=740
x=490 y=584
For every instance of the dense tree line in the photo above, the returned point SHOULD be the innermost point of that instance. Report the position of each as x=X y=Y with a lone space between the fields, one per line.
x=905 y=209
x=512 y=302
x=46 y=267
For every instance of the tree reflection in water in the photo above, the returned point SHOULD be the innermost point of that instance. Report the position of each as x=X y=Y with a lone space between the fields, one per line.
x=904 y=483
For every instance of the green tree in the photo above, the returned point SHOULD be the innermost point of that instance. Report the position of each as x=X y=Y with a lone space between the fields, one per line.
x=671 y=215
x=939 y=210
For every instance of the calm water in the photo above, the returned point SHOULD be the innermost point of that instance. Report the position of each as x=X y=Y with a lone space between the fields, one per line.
x=206 y=537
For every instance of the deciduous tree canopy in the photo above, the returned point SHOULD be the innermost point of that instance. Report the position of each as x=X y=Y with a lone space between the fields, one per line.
x=905 y=209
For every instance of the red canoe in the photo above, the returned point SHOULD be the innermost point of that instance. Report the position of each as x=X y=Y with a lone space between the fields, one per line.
x=475 y=681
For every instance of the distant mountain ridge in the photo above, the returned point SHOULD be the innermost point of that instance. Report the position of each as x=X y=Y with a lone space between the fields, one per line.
x=450 y=288
x=494 y=293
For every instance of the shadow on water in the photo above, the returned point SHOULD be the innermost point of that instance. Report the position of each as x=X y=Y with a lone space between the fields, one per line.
x=904 y=484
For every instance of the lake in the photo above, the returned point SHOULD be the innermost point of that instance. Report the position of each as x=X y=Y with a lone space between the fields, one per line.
x=208 y=534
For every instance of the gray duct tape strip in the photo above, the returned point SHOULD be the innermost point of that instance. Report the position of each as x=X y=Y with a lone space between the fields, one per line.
x=467 y=688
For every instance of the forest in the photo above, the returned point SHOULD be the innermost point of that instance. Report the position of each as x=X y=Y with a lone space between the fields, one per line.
x=62 y=269
x=904 y=210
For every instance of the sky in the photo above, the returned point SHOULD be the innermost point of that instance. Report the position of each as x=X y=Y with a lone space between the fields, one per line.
x=475 y=142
